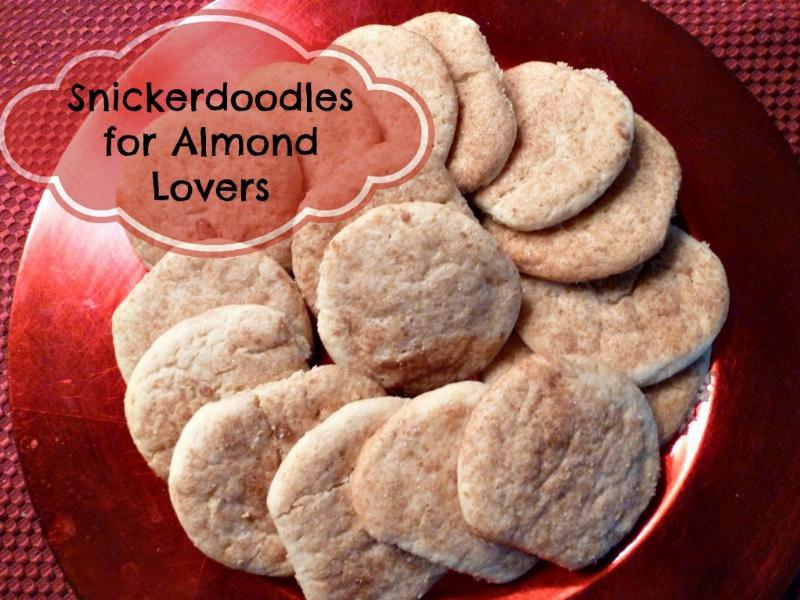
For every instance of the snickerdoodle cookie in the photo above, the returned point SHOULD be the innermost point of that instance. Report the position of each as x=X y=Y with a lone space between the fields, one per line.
x=673 y=399
x=487 y=126
x=416 y=295
x=574 y=134
x=559 y=458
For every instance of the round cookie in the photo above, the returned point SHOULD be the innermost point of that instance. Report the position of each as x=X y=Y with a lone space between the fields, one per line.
x=622 y=229
x=404 y=486
x=558 y=459
x=648 y=324
x=487 y=126
x=309 y=500
x=574 y=134
x=229 y=451
x=202 y=359
x=673 y=399
x=400 y=54
x=180 y=287
x=432 y=184
x=416 y=295
x=150 y=254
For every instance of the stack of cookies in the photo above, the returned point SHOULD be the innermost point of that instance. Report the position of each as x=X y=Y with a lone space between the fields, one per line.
x=514 y=333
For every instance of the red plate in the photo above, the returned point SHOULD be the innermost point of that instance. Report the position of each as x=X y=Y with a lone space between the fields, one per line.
x=726 y=521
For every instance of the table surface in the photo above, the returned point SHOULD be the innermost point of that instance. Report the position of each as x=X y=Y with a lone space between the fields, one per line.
x=758 y=41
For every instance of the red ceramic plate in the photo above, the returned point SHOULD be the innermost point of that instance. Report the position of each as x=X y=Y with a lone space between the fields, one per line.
x=726 y=521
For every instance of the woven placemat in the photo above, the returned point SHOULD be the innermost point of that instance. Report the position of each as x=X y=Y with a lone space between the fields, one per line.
x=760 y=42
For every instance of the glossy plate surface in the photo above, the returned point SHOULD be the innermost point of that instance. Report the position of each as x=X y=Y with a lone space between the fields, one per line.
x=727 y=520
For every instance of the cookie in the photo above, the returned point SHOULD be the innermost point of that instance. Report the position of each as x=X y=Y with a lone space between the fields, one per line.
x=574 y=134
x=404 y=486
x=150 y=254
x=622 y=229
x=487 y=126
x=202 y=359
x=432 y=184
x=415 y=295
x=558 y=459
x=180 y=287
x=400 y=54
x=229 y=451
x=649 y=323
x=310 y=503
x=673 y=399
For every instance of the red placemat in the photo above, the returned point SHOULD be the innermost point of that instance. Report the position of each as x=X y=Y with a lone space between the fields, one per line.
x=760 y=42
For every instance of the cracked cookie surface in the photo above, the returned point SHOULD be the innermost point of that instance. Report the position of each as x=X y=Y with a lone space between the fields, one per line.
x=559 y=459
x=200 y=360
x=311 y=504
x=416 y=295
x=229 y=451
x=574 y=134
